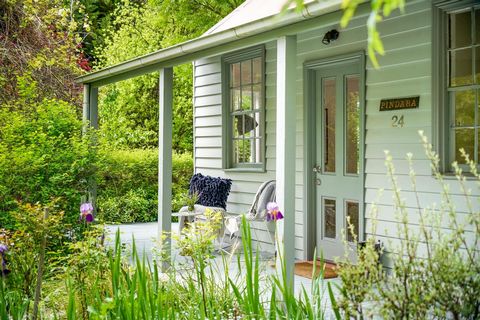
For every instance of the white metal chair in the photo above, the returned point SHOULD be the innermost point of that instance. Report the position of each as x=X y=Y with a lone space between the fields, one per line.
x=257 y=213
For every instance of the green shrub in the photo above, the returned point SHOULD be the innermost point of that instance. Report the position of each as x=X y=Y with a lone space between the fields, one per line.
x=43 y=156
x=128 y=184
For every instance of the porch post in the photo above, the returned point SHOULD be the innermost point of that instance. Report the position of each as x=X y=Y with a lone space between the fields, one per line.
x=285 y=145
x=86 y=107
x=165 y=161
x=90 y=119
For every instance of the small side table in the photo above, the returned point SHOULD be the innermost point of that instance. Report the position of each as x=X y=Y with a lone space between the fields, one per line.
x=185 y=218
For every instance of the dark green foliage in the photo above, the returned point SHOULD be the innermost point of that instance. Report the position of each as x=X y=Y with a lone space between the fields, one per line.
x=128 y=183
x=43 y=156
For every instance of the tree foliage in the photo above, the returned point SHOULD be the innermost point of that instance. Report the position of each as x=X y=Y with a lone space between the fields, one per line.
x=37 y=49
x=129 y=109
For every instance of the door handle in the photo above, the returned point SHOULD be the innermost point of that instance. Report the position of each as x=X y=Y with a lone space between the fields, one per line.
x=317 y=169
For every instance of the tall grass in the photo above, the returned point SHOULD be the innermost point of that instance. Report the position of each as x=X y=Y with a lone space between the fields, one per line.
x=142 y=291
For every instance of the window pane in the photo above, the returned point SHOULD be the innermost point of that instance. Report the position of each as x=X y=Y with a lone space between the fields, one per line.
x=246 y=97
x=477 y=63
x=329 y=91
x=464 y=108
x=352 y=136
x=477 y=26
x=246 y=72
x=329 y=218
x=248 y=151
x=478 y=107
x=235 y=96
x=257 y=70
x=257 y=96
x=464 y=138
x=461 y=67
x=352 y=215
x=478 y=148
x=238 y=151
x=234 y=75
x=238 y=126
x=460 y=29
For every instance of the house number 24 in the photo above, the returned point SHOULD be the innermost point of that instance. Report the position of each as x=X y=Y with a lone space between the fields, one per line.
x=397 y=121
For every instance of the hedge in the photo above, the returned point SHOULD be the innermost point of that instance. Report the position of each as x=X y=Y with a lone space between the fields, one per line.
x=128 y=183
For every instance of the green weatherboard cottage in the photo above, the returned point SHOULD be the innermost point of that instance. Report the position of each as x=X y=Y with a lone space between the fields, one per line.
x=286 y=97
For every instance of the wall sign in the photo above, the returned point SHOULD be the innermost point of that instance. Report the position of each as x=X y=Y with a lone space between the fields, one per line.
x=399 y=103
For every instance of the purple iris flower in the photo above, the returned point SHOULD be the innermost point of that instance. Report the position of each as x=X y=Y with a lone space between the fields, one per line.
x=86 y=212
x=3 y=250
x=86 y=207
x=273 y=212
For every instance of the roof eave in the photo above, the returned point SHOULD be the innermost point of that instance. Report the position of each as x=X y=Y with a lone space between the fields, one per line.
x=184 y=49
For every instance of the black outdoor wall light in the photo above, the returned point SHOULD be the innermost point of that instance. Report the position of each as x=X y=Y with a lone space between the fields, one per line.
x=330 y=36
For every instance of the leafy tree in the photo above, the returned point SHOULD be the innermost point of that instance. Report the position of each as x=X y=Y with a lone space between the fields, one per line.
x=129 y=109
x=38 y=51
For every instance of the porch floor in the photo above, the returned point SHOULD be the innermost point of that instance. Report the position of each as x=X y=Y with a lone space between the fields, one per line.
x=145 y=235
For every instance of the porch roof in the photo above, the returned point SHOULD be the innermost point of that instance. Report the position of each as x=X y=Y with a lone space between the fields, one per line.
x=215 y=41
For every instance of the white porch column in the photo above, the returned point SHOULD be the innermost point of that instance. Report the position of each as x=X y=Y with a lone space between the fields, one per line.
x=90 y=119
x=285 y=145
x=165 y=160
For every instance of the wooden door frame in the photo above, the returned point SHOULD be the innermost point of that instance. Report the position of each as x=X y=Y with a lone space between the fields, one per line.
x=309 y=139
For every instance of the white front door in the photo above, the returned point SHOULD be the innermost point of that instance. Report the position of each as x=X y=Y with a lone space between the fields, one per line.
x=339 y=165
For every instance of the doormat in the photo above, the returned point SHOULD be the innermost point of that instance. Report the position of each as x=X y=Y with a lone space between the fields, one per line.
x=305 y=269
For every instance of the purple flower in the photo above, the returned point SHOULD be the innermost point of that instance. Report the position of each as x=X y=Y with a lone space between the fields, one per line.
x=3 y=248
x=86 y=207
x=89 y=217
x=273 y=212
x=86 y=212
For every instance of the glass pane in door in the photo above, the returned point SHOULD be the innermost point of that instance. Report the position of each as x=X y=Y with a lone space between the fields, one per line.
x=352 y=221
x=352 y=135
x=329 y=216
x=329 y=92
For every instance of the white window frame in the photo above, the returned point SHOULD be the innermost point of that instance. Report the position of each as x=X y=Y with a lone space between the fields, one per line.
x=441 y=97
x=227 y=121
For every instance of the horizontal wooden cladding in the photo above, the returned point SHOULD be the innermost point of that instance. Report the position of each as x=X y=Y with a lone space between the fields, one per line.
x=393 y=229
x=211 y=121
x=208 y=142
x=377 y=166
x=413 y=118
x=398 y=151
x=395 y=135
x=208 y=152
x=207 y=69
x=208 y=79
x=212 y=100
x=414 y=216
x=208 y=163
x=399 y=88
x=426 y=183
x=208 y=131
x=208 y=90
x=207 y=111
x=425 y=200
x=405 y=71
x=206 y=60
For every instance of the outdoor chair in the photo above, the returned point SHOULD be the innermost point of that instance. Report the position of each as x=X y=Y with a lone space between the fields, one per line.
x=257 y=213
x=212 y=194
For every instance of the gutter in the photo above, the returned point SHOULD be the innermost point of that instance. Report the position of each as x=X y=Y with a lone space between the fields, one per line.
x=210 y=41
